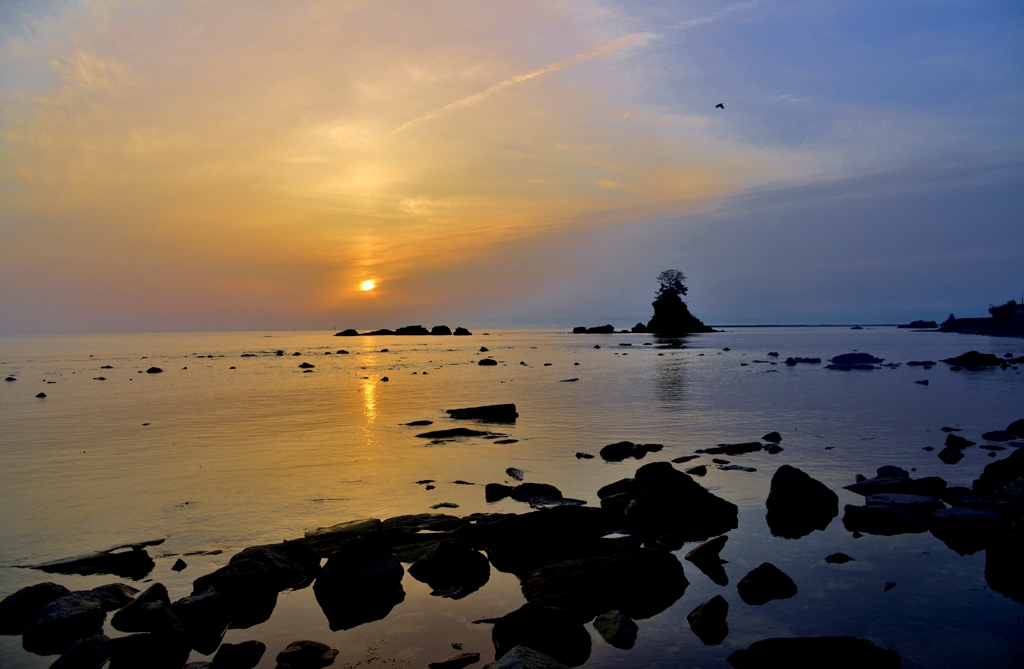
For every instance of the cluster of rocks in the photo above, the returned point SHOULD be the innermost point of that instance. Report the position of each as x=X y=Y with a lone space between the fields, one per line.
x=407 y=330
x=854 y=361
x=919 y=325
x=973 y=361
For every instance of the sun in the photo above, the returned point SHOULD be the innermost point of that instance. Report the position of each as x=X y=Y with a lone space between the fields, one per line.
x=369 y=284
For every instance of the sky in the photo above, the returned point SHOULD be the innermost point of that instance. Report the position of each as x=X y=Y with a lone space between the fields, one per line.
x=199 y=165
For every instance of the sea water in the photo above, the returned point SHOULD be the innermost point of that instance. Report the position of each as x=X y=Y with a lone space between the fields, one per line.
x=220 y=452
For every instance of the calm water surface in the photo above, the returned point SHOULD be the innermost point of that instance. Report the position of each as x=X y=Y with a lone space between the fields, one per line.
x=224 y=452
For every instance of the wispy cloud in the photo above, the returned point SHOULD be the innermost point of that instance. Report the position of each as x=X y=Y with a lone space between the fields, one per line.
x=604 y=50
x=717 y=16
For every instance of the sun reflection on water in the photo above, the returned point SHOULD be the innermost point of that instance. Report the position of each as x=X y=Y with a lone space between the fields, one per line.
x=370 y=400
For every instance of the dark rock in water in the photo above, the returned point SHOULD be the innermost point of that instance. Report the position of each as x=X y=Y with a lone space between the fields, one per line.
x=179 y=565
x=956 y=441
x=293 y=564
x=420 y=423
x=883 y=520
x=306 y=365
x=889 y=471
x=639 y=328
x=999 y=435
x=361 y=582
x=705 y=557
x=514 y=473
x=453 y=433
x=708 y=621
x=808 y=361
x=918 y=504
x=462 y=332
x=765 y=583
x=41 y=395
x=838 y=558
x=205 y=616
x=133 y=564
x=154 y=370
x=889 y=585
x=306 y=655
x=641 y=583
x=506 y=441
x=600 y=329
x=25 y=604
x=617 y=452
x=63 y=621
x=1003 y=559
x=919 y=325
x=114 y=596
x=856 y=359
x=951 y=455
x=773 y=437
x=554 y=632
x=930 y=485
x=245 y=655
x=922 y=383
x=584 y=456
x=492 y=413
x=522 y=657
x=488 y=362
x=737 y=468
x=1000 y=473
x=732 y=449
x=685 y=458
x=835 y=652
x=88 y=653
x=341 y=352
x=440 y=330
x=133 y=616
x=452 y=569
x=456 y=661
x=412 y=330
x=411 y=536
x=798 y=504
x=921 y=363
x=249 y=589
x=147 y=650
x=965 y=530
x=1016 y=428
x=325 y=540
x=850 y=367
x=672 y=317
x=347 y=333
x=616 y=628
x=540 y=495
x=484 y=349
x=974 y=361
x=774 y=449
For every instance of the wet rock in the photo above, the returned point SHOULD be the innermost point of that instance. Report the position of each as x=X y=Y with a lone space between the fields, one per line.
x=931 y=486
x=88 y=653
x=132 y=616
x=883 y=520
x=1000 y=473
x=835 y=652
x=838 y=558
x=554 y=632
x=973 y=360
x=640 y=583
x=956 y=441
x=774 y=449
x=617 y=629
x=27 y=603
x=412 y=536
x=63 y=621
x=114 y=596
x=999 y=435
x=685 y=458
x=462 y=332
x=619 y=451
x=495 y=492
x=765 y=583
x=965 y=530
x=798 y=504
x=440 y=330
x=205 y=617
x=807 y=361
x=244 y=655
x=456 y=661
x=706 y=558
x=133 y=564
x=179 y=565
x=293 y=564
x=361 y=582
x=541 y=495
x=708 y=621
x=773 y=437
x=856 y=359
x=918 y=504
x=732 y=449
x=452 y=569
x=515 y=473
x=488 y=362
x=522 y=657
x=951 y=455
x=453 y=433
x=154 y=370
x=147 y=650
x=325 y=540
x=699 y=470
x=249 y=589
x=306 y=655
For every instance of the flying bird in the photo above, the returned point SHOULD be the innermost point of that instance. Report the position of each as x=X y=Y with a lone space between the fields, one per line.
x=719 y=106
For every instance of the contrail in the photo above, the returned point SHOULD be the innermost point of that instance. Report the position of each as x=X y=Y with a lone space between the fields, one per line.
x=603 y=50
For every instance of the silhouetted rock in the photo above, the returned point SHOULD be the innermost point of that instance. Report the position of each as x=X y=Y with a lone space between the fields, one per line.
x=462 y=332
x=154 y=370
x=412 y=330
x=453 y=433
x=249 y=589
x=133 y=616
x=522 y=657
x=838 y=558
x=672 y=318
x=488 y=362
x=147 y=650
x=440 y=330
x=1000 y=473
x=617 y=629
x=931 y=486
x=705 y=557
x=773 y=437
x=18 y=608
x=306 y=655
x=88 y=653
x=805 y=361
x=999 y=436
x=554 y=632
x=1017 y=428
x=584 y=456
x=63 y=621
x=205 y=616
x=361 y=582
x=708 y=621
x=325 y=540
x=306 y=365
x=765 y=583
x=452 y=569
x=835 y=652
x=641 y=583
x=856 y=359
x=883 y=520
x=639 y=328
x=921 y=363
x=732 y=449
x=244 y=655
x=951 y=455
x=1007 y=320
x=919 y=325
x=492 y=413
x=347 y=333
x=973 y=360
x=133 y=564
x=456 y=661
x=1004 y=562
x=293 y=564
x=798 y=504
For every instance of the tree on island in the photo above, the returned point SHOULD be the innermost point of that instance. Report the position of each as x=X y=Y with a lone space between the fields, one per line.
x=671 y=315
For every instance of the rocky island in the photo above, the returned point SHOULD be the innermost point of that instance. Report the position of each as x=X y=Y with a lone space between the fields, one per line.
x=1006 y=320
x=672 y=317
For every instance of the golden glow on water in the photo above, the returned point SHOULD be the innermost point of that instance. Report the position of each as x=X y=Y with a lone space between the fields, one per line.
x=370 y=400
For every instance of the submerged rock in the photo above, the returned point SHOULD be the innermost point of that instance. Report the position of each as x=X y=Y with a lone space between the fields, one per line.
x=554 y=632
x=706 y=558
x=765 y=583
x=616 y=628
x=838 y=558
x=306 y=655
x=708 y=621
x=835 y=652
x=798 y=504
x=452 y=569
x=361 y=582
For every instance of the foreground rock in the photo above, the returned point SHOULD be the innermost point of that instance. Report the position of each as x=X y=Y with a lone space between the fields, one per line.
x=456 y=661
x=708 y=621
x=452 y=569
x=493 y=413
x=205 y=616
x=706 y=558
x=554 y=632
x=248 y=589
x=88 y=653
x=522 y=657
x=113 y=596
x=245 y=655
x=153 y=651
x=292 y=564
x=765 y=583
x=1003 y=559
x=325 y=540
x=306 y=655
x=617 y=629
x=134 y=563
x=138 y=615
x=798 y=504
x=361 y=582
x=640 y=583
x=25 y=604
x=62 y=622
x=1001 y=473
x=835 y=652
